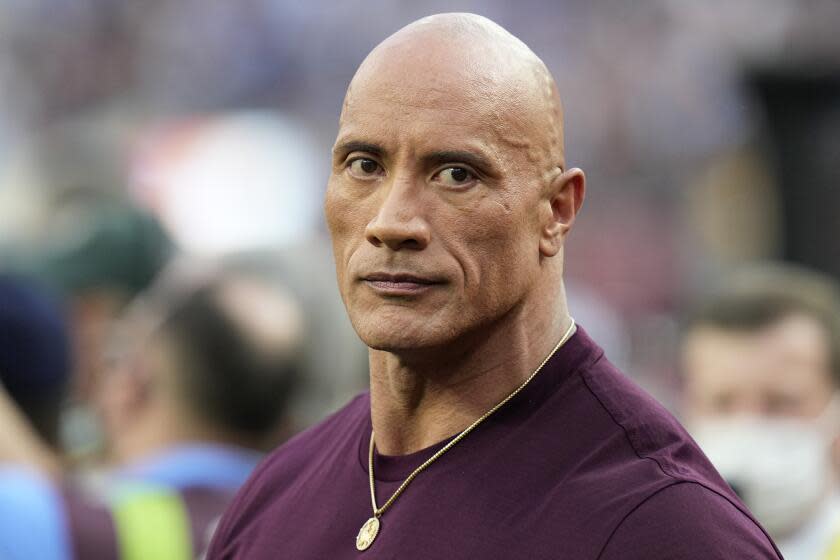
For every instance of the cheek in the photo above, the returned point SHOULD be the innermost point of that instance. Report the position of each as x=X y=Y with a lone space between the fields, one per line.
x=335 y=210
x=346 y=222
x=497 y=248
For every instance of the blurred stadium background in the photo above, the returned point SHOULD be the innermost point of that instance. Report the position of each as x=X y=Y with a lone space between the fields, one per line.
x=710 y=133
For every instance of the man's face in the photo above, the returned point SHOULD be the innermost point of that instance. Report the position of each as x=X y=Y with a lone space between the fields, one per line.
x=432 y=206
x=781 y=370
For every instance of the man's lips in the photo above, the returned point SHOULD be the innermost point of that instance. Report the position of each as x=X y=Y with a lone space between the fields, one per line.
x=399 y=283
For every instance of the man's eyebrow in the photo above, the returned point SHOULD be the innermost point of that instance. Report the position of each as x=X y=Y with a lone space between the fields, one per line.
x=357 y=146
x=473 y=159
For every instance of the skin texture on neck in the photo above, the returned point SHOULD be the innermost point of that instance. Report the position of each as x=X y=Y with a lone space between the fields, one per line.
x=416 y=403
x=449 y=182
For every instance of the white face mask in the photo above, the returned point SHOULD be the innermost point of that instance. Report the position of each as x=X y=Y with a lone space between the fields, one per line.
x=780 y=467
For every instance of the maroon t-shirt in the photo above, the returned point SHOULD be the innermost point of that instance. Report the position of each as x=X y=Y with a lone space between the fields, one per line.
x=580 y=465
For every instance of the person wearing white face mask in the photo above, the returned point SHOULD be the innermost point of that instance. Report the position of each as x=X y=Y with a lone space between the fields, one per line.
x=761 y=364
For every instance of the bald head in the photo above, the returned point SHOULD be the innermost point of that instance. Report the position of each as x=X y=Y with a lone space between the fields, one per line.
x=465 y=62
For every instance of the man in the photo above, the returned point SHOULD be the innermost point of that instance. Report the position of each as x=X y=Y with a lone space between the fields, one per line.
x=448 y=204
x=762 y=371
x=202 y=371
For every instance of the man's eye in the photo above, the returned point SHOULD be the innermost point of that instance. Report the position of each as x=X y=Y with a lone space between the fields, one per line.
x=364 y=167
x=455 y=176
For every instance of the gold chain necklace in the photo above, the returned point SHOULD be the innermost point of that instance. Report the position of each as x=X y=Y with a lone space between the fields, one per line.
x=370 y=529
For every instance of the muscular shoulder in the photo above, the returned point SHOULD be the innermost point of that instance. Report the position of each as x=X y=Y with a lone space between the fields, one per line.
x=662 y=489
x=648 y=429
x=688 y=521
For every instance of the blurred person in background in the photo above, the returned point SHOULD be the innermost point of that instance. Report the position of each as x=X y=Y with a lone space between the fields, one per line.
x=245 y=187
x=97 y=253
x=202 y=367
x=761 y=362
x=238 y=185
x=34 y=371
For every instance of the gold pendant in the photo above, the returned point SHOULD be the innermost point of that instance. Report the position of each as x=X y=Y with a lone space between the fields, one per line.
x=367 y=533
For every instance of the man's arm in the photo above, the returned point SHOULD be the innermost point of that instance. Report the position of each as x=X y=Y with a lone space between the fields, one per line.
x=687 y=521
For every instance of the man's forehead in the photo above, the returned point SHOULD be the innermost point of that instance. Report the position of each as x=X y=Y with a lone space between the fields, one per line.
x=391 y=125
x=440 y=106
x=462 y=73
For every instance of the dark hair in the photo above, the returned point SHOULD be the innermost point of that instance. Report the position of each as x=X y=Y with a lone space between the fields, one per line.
x=763 y=295
x=228 y=378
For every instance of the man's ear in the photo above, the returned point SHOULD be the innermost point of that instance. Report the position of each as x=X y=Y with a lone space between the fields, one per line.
x=564 y=198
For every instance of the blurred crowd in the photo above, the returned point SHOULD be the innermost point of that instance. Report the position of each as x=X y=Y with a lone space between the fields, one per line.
x=168 y=309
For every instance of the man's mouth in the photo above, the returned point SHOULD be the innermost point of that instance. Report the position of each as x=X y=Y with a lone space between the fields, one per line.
x=399 y=283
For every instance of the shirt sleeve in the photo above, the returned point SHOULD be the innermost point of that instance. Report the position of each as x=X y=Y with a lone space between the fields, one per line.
x=32 y=521
x=687 y=521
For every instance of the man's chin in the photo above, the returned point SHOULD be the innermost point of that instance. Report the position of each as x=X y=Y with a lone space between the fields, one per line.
x=399 y=336
x=394 y=342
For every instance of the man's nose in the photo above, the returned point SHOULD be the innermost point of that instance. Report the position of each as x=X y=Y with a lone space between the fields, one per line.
x=398 y=223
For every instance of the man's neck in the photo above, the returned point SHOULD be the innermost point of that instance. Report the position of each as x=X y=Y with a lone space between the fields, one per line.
x=417 y=403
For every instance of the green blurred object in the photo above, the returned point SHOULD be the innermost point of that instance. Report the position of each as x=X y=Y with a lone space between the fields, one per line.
x=96 y=243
